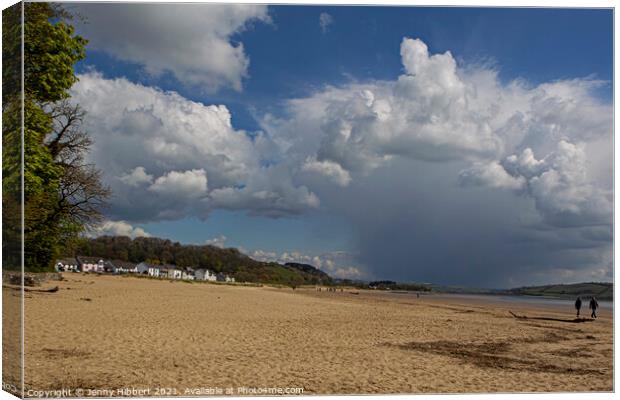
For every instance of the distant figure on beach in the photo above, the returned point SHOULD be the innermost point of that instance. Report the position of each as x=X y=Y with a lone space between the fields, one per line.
x=578 y=304
x=593 y=306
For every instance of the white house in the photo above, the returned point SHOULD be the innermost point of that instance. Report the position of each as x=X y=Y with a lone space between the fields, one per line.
x=188 y=274
x=205 y=275
x=174 y=273
x=221 y=277
x=125 y=267
x=90 y=264
x=110 y=267
x=154 y=271
x=66 y=265
x=143 y=268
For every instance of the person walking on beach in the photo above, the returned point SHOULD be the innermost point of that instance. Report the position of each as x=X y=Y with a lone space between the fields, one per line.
x=578 y=305
x=593 y=306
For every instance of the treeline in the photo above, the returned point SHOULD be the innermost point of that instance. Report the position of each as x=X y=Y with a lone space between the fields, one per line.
x=62 y=194
x=229 y=261
x=601 y=290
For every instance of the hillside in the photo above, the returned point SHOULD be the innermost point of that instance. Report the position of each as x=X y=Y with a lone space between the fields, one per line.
x=462 y=289
x=229 y=260
x=310 y=271
x=602 y=290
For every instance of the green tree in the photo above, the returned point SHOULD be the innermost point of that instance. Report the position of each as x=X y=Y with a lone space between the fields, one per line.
x=11 y=137
x=62 y=194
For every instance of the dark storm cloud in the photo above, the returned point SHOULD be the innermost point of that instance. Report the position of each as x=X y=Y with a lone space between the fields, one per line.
x=412 y=221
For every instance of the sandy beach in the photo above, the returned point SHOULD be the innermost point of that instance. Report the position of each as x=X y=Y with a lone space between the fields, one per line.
x=111 y=332
x=11 y=340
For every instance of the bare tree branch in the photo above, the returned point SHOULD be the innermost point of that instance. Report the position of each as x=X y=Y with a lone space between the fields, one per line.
x=82 y=194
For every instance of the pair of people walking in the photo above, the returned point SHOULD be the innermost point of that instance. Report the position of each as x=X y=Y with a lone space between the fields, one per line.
x=593 y=306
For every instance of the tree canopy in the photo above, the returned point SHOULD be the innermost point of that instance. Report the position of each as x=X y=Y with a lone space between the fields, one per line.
x=230 y=261
x=62 y=194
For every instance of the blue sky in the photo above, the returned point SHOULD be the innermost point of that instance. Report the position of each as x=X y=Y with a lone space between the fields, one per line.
x=288 y=55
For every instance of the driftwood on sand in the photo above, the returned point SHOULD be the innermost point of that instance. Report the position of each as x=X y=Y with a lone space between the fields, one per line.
x=27 y=289
x=573 y=320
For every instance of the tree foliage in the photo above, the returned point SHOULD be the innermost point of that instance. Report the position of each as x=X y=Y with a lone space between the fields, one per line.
x=51 y=50
x=229 y=260
x=11 y=136
x=62 y=194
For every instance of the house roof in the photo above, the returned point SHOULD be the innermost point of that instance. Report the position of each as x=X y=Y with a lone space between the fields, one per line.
x=165 y=267
x=93 y=260
x=148 y=265
x=67 y=261
x=123 y=264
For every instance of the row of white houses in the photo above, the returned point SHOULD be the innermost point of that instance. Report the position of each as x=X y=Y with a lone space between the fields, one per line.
x=98 y=265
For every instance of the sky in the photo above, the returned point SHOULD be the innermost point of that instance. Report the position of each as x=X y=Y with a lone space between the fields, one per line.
x=460 y=146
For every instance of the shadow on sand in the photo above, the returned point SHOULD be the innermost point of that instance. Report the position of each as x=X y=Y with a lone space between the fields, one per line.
x=574 y=320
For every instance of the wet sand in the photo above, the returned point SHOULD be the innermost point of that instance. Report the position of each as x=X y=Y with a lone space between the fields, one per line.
x=111 y=332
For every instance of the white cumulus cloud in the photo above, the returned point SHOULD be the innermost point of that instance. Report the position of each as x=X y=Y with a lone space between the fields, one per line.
x=337 y=264
x=439 y=112
x=187 y=184
x=565 y=193
x=330 y=169
x=136 y=177
x=490 y=174
x=166 y=157
x=191 y=41
x=118 y=228
x=219 y=241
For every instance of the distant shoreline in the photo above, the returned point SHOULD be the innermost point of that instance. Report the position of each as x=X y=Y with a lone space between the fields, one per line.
x=512 y=299
x=569 y=291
